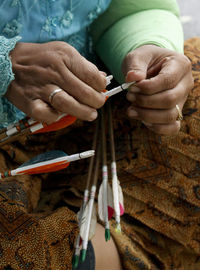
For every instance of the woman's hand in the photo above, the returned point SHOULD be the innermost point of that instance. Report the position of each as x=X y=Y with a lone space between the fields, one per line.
x=164 y=80
x=41 y=68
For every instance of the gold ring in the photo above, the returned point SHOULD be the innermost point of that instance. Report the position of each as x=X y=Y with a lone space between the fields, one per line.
x=53 y=94
x=180 y=115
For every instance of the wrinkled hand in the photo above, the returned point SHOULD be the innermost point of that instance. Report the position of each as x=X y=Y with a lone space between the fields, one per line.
x=164 y=80
x=41 y=68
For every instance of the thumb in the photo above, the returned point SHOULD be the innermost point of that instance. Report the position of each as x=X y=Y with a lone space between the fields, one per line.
x=135 y=65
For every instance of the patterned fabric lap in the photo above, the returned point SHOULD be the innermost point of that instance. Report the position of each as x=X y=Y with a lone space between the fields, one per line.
x=160 y=177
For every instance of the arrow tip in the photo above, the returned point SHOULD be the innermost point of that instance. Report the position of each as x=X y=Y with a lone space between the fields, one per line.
x=83 y=255
x=87 y=154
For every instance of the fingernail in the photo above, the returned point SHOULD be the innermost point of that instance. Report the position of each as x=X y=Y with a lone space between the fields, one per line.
x=104 y=79
x=134 y=89
x=131 y=97
x=103 y=73
x=147 y=124
x=132 y=113
x=93 y=116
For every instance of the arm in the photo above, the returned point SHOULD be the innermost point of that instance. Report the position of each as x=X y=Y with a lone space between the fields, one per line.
x=129 y=24
x=145 y=37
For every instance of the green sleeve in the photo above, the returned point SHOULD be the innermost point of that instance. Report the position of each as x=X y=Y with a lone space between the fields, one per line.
x=128 y=24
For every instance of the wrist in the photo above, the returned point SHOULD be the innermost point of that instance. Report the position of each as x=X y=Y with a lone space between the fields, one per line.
x=6 y=73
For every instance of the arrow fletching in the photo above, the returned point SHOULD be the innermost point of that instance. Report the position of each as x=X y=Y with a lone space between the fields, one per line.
x=48 y=162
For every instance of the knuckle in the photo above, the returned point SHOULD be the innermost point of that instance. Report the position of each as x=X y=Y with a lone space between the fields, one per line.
x=167 y=130
x=37 y=112
x=129 y=113
x=129 y=56
x=143 y=101
x=148 y=91
x=130 y=97
x=61 y=103
x=92 y=73
x=101 y=101
x=92 y=98
x=169 y=80
x=63 y=47
x=129 y=60
x=85 y=94
x=171 y=116
x=191 y=86
x=93 y=76
x=187 y=63
x=92 y=70
x=159 y=129
x=65 y=52
x=170 y=99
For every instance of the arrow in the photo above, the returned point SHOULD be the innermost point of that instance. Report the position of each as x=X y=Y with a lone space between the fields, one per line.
x=89 y=209
x=76 y=255
x=47 y=162
x=104 y=194
x=117 y=190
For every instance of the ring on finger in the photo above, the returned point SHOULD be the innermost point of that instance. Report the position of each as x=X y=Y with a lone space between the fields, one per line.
x=52 y=95
x=180 y=115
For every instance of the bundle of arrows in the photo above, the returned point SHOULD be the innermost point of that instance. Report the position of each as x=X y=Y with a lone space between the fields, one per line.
x=110 y=199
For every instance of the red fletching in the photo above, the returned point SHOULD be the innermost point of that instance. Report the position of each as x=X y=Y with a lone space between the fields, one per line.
x=110 y=212
x=62 y=123
x=46 y=168
x=121 y=209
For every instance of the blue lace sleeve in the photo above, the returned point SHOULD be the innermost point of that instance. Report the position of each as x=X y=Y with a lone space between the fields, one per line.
x=8 y=112
x=6 y=74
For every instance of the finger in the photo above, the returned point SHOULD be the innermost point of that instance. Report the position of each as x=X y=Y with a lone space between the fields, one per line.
x=78 y=89
x=65 y=103
x=42 y=112
x=135 y=65
x=170 y=129
x=86 y=72
x=103 y=73
x=154 y=116
x=163 y=100
x=173 y=70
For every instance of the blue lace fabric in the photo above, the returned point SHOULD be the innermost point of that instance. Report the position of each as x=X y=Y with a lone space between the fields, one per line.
x=39 y=22
x=8 y=112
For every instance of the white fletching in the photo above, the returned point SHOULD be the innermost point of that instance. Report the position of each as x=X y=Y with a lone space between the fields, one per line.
x=84 y=224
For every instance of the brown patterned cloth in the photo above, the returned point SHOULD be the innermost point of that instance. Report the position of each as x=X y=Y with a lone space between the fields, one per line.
x=160 y=177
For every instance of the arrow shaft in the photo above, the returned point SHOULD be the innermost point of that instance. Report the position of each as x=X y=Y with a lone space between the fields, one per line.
x=89 y=217
x=118 y=89
x=105 y=194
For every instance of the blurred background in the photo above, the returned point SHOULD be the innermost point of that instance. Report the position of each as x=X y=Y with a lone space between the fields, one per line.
x=190 y=17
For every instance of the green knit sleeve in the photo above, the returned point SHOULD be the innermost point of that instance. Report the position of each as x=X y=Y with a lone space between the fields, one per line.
x=128 y=24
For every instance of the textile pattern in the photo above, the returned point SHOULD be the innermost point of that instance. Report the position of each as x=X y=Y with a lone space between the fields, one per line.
x=159 y=175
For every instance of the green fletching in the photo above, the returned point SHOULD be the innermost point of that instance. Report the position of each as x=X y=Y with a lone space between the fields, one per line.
x=75 y=261
x=107 y=234
x=83 y=255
